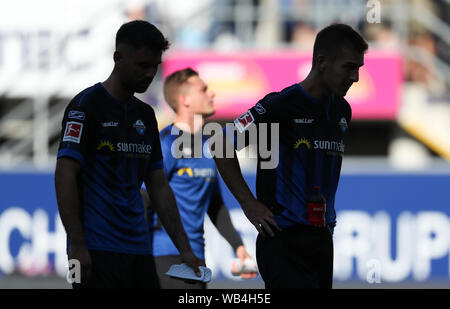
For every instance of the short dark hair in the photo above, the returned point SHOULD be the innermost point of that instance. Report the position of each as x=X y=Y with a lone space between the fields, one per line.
x=331 y=40
x=140 y=33
x=173 y=83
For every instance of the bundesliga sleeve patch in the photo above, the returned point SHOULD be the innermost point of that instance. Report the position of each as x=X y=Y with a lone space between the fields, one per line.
x=244 y=121
x=73 y=132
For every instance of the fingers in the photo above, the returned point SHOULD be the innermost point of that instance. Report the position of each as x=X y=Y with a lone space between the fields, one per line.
x=265 y=226
x=262 y=218
x=249 y=275
x=86 y=271
x=197 y=271
x=193 y=262
x=195 y=266
x=271 y=219
x=242 y=254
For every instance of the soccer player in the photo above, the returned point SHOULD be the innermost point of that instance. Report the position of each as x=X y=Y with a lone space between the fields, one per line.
x=294 y=247
x=109 y=146
x=193 y=178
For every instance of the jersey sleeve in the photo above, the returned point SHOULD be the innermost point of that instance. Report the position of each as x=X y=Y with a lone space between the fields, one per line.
x=76 y=130
x=169 y=160
x=217 y=193
x=156 y=158
x=267 y=110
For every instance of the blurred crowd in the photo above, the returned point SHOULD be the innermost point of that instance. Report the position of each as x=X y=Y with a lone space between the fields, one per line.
x=231 y=24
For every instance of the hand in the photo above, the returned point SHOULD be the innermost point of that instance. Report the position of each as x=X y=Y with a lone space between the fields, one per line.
x=260 y=216
x=81 y=253
x=194 y=262
x=242 y=254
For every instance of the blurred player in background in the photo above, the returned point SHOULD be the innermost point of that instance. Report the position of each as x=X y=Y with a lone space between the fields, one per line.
x=109 y=146
x=294 y=210
x=193 y=178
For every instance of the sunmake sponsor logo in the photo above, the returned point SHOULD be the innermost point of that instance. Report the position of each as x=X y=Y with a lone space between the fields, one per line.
x=321 y=145
x=329 y=145
x=136 y=148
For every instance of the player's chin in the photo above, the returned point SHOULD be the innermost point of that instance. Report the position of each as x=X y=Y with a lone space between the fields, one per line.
x=209 y=113
x=141 y=89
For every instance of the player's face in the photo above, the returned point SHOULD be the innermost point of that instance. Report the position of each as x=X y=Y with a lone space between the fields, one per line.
x=200 y=97
x=341 y=73
x=138 y=67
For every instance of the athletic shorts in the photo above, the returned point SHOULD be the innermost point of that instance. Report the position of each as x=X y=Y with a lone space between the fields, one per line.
x=163 y=264
x=113 y=270
x=299 y=257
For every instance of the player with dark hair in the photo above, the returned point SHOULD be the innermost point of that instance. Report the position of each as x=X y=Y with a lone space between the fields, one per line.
x=294 y=209
x=109 y=146
x=193 y=178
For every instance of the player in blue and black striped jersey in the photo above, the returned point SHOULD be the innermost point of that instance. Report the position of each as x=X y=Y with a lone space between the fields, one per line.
x=193 y=177
x=295 y=197
x=109 y=146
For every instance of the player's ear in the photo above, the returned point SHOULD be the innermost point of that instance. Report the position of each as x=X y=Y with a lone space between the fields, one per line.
x=321 y=62
x=117 y=56
x=183 y=100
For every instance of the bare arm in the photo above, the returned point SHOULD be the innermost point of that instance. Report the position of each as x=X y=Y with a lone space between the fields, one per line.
x=220 y=217
x=66 y=186
x=257 y=213
x=163 y=202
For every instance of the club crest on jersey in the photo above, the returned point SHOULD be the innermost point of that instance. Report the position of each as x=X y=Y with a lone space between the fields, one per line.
x=140 y=127
x=244 y=121
x=73 y=132
x=343 y=124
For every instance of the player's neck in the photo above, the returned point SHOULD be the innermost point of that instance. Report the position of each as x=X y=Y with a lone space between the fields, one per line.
x=313 y=86
x=116 y=90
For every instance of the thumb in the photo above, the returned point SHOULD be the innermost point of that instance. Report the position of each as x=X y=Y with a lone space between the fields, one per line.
x=241 y=253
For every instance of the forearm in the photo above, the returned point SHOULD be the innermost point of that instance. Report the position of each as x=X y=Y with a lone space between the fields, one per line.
x=67 y=197
x=166 y=208
x=231 y=174
x=220 y=217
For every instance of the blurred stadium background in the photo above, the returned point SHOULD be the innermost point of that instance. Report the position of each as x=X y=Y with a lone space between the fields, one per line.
x=393 y=207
